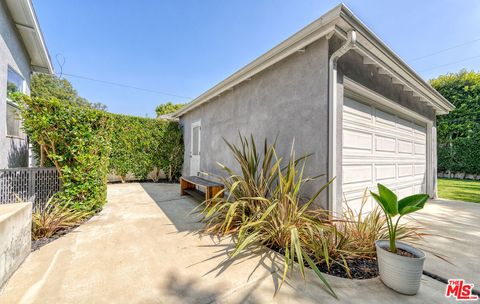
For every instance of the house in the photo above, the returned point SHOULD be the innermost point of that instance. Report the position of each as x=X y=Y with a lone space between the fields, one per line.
x=343 y=95
x=22 y=51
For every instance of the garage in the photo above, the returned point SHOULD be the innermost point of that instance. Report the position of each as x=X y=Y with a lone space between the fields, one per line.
x=381 y=145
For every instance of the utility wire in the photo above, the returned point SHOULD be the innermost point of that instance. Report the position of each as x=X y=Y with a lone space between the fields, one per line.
x=126 y=86
x=185 y=97
x=444 y=50
x=450 y=63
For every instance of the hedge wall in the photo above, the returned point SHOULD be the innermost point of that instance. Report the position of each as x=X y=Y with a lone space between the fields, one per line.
x=76 y=140
x=142 y=145
x=458 y=133
x=84 y=144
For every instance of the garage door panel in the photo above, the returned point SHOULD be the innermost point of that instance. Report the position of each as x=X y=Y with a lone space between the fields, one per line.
x=420 y=130
x=357 y=174
x=357 y=140
x=357 y=110
x=384 y=118
x=381 y=147
x=420 y=169
x=405 y=147
x=404 y=125
x=420 y=149
x=404 y=191
x=385 y=144
x=385 y=172
x=405 y=170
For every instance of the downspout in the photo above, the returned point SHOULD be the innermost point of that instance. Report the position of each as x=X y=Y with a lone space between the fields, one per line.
x=332 y=118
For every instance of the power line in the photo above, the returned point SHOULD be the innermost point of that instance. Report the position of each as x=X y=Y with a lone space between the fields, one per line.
x=450 y=63
x=126 y=86
x=444 y=50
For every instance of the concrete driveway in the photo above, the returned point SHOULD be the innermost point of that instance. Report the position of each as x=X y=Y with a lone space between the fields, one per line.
x=142 y=249
x=456 y=236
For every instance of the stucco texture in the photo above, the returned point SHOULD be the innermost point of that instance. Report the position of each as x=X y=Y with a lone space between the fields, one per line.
x=15 y=237
x=288 y=100
x=13 y=151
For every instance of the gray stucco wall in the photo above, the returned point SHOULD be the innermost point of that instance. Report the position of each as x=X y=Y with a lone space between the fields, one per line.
x=13 y=151
x=289 y=99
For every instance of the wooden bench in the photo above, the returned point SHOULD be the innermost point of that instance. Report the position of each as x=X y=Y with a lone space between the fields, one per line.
x=188 y=185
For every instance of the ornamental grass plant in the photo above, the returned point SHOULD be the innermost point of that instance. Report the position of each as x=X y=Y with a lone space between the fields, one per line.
x=262 y=206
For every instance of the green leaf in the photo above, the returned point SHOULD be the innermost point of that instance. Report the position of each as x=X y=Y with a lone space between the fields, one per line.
x=412 y=203
x=319 y=274
x=389 y=199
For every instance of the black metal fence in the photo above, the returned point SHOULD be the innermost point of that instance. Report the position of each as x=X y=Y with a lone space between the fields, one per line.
x=28 y=184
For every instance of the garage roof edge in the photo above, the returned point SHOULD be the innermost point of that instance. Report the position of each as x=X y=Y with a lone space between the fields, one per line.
x=319 y=28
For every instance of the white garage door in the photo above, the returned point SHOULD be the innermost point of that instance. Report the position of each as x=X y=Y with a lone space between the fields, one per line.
x=381 y=147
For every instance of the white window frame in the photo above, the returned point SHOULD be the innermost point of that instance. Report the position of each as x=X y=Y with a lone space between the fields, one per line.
x=10 y=102
x=195 y=124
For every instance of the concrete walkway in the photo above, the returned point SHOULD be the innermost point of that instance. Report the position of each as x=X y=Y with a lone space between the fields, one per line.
x=142 y=249
x=455 y=229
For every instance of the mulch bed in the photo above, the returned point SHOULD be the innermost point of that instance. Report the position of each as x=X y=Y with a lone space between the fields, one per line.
x=36 y=244
x=145 y=181
x=360 y=268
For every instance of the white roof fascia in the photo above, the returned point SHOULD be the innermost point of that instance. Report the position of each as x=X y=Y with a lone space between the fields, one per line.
x=376 y=47
x=26 y=22
x=369 y=44
x=309 y=34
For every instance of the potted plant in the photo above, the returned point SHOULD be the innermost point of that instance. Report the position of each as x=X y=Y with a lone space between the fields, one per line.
x=400 y=265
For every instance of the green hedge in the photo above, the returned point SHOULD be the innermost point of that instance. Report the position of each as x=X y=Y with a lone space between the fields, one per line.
x=76 y=140
x=141 y=145
x=84 y=144
x=458 y=133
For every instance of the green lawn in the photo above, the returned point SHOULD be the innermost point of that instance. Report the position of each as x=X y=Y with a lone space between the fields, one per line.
x=457 y=189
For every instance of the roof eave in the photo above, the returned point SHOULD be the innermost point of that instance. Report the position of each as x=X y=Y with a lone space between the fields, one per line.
x=440 y=103
x=321 y=27
x=26 y=22
x=309 y=34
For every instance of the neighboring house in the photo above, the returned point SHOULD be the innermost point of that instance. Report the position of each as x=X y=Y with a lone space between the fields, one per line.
x=343 y=95
x=22 y=51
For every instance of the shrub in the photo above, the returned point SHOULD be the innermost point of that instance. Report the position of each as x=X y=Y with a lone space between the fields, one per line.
x=141 y=145
x=84 y=144
x=353 y=235
x=55 y=217
x=263 y=207
x=458 y=133
x=168 y=108
x=76 y=139
x=51 y=86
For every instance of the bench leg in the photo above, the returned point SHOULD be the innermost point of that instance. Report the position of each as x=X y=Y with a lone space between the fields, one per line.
x=184 y=185
x=213 y=191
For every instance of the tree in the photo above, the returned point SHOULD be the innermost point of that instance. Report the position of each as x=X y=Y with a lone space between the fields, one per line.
x=458 y=133
x=168 y=108
x=50 y=86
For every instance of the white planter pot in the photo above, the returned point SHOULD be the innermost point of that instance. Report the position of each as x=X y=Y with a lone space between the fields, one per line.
x=400 y=273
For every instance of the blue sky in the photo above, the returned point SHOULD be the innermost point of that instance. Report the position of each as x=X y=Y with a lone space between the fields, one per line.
x=185 y=47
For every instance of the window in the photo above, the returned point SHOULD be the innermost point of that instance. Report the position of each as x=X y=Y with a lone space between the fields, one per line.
x=15 y=83
x=196 y=141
